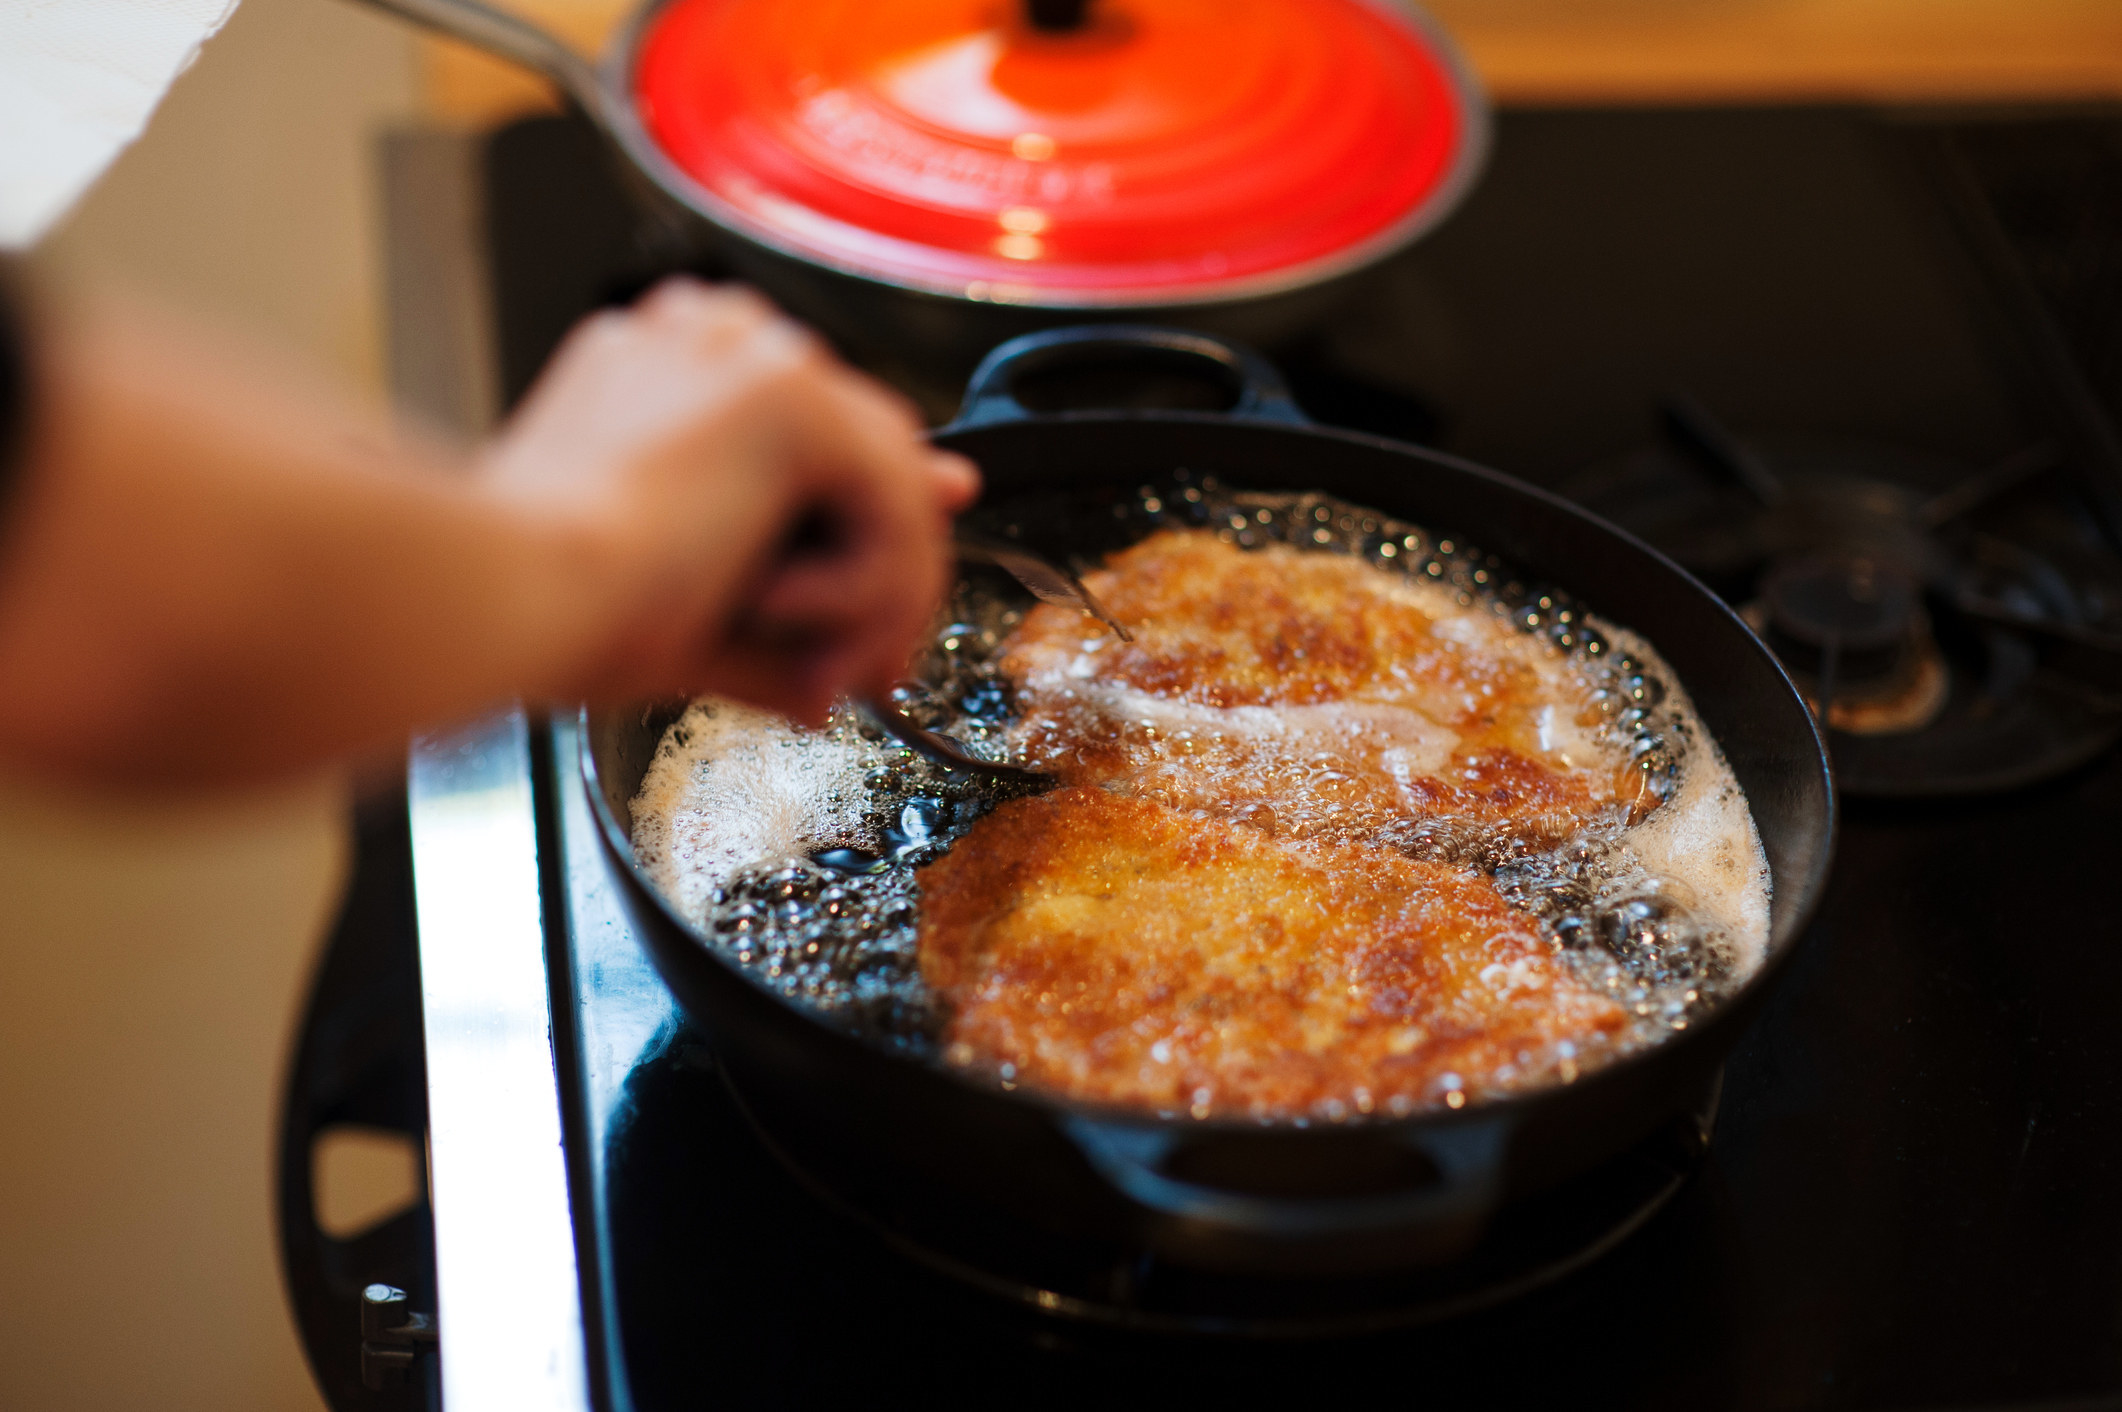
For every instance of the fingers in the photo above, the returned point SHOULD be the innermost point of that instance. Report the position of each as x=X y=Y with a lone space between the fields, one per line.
x=693 y=434
x=798 y=681
x=957 y=481
x=867 y=596
x=720 y=317
x=696 y=308
x=715 y=323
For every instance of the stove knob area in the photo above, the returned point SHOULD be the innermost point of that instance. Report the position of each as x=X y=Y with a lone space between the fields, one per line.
x=392 y=1337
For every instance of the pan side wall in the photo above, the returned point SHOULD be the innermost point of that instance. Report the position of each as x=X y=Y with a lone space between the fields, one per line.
x=926 y=1130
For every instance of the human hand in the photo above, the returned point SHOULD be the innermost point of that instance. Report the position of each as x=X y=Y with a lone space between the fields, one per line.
x=746 y=515
x=213 y=569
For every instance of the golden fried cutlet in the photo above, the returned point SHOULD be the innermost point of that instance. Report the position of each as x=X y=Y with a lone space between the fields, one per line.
x=1116 y=950
x=1315 y=696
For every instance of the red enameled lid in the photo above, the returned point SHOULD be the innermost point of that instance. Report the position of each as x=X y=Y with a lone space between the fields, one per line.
x=1166 y=151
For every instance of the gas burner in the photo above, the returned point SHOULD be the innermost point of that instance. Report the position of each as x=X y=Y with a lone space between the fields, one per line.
x=1959 y=630
x=1533 y=1242
x=1852 y=631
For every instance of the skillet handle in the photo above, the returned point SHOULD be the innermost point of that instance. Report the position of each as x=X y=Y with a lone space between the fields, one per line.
x=1436 y=1220
x=1262 y=394
x=510 y=38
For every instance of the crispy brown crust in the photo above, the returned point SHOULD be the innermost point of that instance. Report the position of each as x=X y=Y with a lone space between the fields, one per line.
x=1218 y=627
x=1222 y=626
x=1116 y=950
x=1222 y=910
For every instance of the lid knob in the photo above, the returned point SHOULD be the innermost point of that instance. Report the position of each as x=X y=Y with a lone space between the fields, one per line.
x=1056 y=16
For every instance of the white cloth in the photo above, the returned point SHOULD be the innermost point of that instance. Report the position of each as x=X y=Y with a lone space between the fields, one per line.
x=78 y=81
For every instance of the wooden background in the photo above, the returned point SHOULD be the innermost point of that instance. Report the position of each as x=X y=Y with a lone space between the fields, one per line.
x=1633 y=51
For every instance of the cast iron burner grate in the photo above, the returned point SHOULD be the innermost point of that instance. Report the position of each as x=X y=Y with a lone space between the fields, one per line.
x=1531 y=1243
x=1958 y=628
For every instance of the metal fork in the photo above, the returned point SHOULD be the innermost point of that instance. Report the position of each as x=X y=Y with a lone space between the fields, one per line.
x=1047 y=582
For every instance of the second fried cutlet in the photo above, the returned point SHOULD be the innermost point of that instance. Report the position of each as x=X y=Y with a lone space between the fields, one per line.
x=1314 y=695
x=1117 y=950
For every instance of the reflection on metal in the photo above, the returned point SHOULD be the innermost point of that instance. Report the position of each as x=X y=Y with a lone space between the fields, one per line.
x=633 y=1006
x=509 y=1300
x=623 y=1013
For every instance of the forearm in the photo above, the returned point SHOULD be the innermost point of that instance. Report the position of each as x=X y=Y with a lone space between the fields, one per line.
x=210 y=574
x=202 y=580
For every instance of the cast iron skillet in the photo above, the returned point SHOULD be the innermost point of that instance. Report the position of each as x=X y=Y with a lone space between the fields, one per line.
x=1232 y=1195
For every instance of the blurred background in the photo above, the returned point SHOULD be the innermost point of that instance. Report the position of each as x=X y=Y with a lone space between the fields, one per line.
x=153 y=957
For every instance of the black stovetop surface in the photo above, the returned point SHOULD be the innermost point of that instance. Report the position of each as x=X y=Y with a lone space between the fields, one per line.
x=1910 y=1200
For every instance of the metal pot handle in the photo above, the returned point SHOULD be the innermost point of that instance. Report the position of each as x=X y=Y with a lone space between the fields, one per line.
x=1468 y=1158
x=510 y=38
x=1262 y=394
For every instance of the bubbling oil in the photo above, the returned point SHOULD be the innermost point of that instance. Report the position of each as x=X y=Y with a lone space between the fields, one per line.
x=795 y=853
x=1666 y=913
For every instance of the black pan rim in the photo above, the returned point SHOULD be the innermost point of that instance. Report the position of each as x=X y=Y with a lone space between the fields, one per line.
x=1785 y=939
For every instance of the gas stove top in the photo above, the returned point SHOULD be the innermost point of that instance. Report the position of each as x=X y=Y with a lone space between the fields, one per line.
x=1858 y=371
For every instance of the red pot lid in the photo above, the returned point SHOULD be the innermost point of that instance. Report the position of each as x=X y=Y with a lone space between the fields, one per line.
x=1168 y=151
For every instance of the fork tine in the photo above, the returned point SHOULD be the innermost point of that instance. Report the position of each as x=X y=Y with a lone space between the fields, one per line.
x=1049 y=583
x=935 y=745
